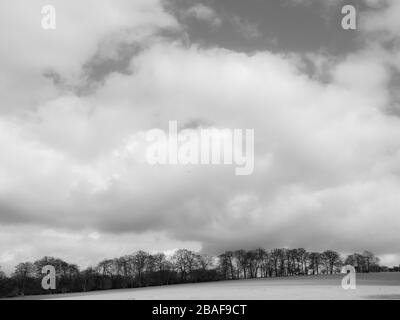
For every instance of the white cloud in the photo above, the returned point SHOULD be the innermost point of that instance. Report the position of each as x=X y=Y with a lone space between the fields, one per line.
x=384 y=20
x=22 y=243
x=327 y=154
x=32 y=51
x=94 y=236
x=204 y=13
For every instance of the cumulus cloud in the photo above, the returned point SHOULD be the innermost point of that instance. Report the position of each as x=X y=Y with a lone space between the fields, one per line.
x=204 y=13
x=383 y=21
x=326 y=162
x=30 y=51
x=85 y=248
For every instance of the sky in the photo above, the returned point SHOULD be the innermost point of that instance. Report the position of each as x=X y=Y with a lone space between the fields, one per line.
x=77 y=101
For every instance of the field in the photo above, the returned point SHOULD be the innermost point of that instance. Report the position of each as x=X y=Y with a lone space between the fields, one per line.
x=369 y=286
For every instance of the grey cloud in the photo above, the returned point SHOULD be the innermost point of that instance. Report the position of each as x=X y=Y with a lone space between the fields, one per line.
x=272 y=25
x=96 y=70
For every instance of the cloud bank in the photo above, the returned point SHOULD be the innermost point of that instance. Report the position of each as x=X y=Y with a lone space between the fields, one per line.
x=73 y=177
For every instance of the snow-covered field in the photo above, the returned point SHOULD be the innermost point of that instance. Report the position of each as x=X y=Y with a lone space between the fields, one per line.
x=369 y=286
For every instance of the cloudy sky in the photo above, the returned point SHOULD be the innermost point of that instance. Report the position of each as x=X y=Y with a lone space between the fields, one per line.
x=75 y=103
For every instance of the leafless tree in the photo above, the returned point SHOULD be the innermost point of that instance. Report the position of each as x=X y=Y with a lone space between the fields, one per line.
x=331 y=260
x=63 y=269
x=303 y=259
x=259 y=258
x=185 y=262
x=23 y=272
x=242 y=258
x=227 y=265
x=105 y=267
x=275 y=258
x=279 y=259
x=161 y=262
x=204 y=261
x=371 y=261
x=140 y=261
x=315 y=262
x=266 y=263
x=232 y=264
x=292 y=261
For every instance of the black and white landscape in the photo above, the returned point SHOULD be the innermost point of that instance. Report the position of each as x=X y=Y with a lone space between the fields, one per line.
x=158 y=142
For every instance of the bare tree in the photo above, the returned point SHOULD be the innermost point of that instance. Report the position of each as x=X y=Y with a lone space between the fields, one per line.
x=364 y=262
x=86 y=276
x=331 y=260
x=22 y=273
x=140 y=261
x=282 y=261
x=260 y=256
x=160 y=262
x=356 y=260
x=123 y=266
x=63 y=269
x=315 y=262
x=225 y=266
x=275 y=254
x=292 y=261
x=303 y=258
x=130 y=268
x=232 y=264
x=185 y=262
x=242 y=259
x=266 y=263
x=204 y=261
x=371 y=261
x=105 y=267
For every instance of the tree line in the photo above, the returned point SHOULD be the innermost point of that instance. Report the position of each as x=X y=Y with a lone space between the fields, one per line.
x=142 y=269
